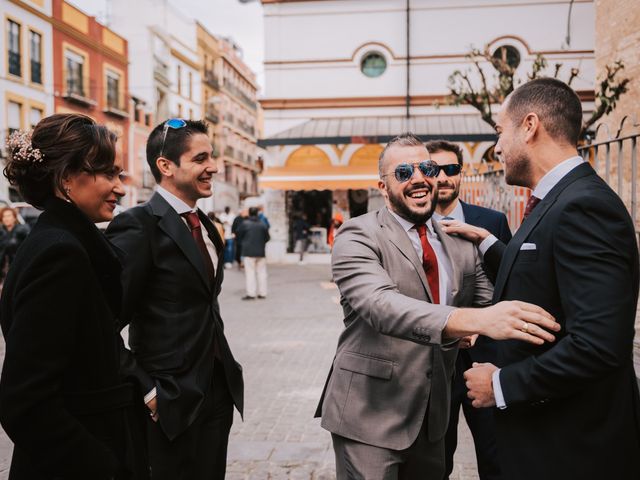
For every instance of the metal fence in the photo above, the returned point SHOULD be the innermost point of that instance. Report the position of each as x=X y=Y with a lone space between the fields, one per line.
x=615 y=158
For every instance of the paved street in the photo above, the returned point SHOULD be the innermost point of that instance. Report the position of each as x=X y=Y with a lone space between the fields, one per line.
x=286 y=344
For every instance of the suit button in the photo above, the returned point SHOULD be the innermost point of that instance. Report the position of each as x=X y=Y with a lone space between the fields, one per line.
x=429 y=374
x=427 y=338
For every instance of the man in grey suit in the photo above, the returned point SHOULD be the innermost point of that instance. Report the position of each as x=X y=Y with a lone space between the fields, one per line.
x=401 y=280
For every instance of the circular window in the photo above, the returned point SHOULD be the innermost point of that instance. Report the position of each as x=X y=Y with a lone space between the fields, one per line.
x=509 y=54
x=373 y=64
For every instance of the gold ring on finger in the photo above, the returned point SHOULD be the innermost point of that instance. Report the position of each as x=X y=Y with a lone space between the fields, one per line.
x=525 y=327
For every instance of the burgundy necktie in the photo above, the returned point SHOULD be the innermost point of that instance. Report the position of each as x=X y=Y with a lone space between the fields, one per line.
x=196 y=232
x=531 y=204
x=429 y=263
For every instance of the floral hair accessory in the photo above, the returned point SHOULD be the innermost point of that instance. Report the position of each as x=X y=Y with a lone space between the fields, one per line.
x=19 y=144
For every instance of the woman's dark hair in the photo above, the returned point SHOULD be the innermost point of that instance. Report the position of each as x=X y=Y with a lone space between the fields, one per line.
x=60 y=145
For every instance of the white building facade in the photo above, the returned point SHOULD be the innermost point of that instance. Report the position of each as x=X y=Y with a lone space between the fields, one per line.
x=26 y=71
x=342 y=77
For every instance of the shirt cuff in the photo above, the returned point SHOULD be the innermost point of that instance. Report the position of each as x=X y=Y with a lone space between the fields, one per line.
x=497 y=390
x=150 y=396
x=486 y=244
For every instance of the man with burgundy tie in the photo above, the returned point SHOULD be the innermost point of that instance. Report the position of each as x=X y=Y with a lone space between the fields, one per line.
x=568 y=409
x=402 y=281
x=172 y=277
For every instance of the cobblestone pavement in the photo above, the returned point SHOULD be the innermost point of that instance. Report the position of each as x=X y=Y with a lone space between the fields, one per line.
x=286 y=344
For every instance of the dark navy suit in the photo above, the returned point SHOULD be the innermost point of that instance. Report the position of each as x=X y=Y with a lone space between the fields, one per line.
x=480 y=421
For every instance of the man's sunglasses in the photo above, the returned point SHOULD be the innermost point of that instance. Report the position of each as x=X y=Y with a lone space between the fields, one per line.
x=175 y=123
x=404 y=171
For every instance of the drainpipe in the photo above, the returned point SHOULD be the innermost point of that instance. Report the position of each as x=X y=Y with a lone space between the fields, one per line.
x=407 y=97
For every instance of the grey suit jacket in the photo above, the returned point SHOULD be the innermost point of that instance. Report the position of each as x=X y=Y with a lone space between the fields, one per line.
x=392 y=361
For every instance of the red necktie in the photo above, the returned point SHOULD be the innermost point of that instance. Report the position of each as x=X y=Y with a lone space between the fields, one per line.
x=429 y=263
x=196 y=232
x=531 y=204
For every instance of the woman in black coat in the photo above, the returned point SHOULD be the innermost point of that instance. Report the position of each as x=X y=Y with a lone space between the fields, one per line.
x=12 y=234
x=62 y=401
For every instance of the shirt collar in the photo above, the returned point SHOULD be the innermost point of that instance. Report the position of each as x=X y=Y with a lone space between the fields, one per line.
x=553 y=176
x=457 y=214
x=407 y=225
x=177 y=204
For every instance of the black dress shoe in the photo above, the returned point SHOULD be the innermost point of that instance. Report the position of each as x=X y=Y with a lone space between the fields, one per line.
x=247 y=297
x=262 y=296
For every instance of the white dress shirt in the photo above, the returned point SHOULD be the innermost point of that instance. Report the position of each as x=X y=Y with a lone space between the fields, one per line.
x=545 y=185
x=456 y=214
x=444 y=265
x=181 y=207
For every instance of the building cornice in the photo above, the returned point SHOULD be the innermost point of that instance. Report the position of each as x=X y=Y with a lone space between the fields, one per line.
x=368 y=102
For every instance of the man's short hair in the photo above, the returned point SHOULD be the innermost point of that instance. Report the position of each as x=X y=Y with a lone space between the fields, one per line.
x=555 y=103
x=253 y=211
x=175 y=143
x=435 y=146
x=405 y=140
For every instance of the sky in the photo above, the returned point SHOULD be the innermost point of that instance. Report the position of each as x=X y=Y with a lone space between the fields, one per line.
x=227 y=18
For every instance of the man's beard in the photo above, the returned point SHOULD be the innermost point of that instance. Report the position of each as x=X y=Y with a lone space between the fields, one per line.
x=446 y=197
x=518 y=170
x=405 y=212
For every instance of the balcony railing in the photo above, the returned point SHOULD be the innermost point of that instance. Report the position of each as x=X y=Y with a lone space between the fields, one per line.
x=211 y=79
x=15 y=68
x=36 y=72
x=161 y=72
x=240 y=95
x=114 y=106
x=228 y=152
x=212 y=114
x=76 y=92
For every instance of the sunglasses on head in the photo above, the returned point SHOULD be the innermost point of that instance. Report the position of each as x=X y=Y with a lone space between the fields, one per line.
x=175 y=123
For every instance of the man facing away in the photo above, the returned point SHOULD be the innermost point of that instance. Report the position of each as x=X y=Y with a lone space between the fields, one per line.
x=171 y=280
x=386 y=401
x=570 y=409
x=481 y=422
x=229 y=251
x=253 y=236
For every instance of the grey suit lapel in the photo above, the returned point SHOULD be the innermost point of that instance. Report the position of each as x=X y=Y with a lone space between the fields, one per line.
x=513 y=247
x=398 y=237
x=171 y=224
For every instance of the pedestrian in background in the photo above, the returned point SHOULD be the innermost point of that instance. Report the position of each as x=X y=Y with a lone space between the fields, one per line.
x=235 y=226
x=62 y=401
x=172 y=279
x=217 y=223
x=12 y=234
x=227 y=219
x=253 y=236
x=263 y=218
x=301 y=235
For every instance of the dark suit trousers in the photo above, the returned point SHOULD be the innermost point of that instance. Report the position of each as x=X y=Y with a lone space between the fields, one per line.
x=481 y=423
x=200 y=452
x=424 y=460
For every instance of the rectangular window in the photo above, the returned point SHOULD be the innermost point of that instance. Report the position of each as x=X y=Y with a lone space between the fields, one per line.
x=179 y=80
x=113 y=91
x=190 y=85
x=75 y=78
x=190 y=114
x=14 y=116
x=35 y=46
x=35 y=115
x=13 y=48
x=179 y=111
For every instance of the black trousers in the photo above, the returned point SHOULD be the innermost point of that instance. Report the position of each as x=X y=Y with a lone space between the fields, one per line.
x=481 y=423
x=200 y=452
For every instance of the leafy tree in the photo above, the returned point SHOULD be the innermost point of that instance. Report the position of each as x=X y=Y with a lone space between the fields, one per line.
x=473 y=86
